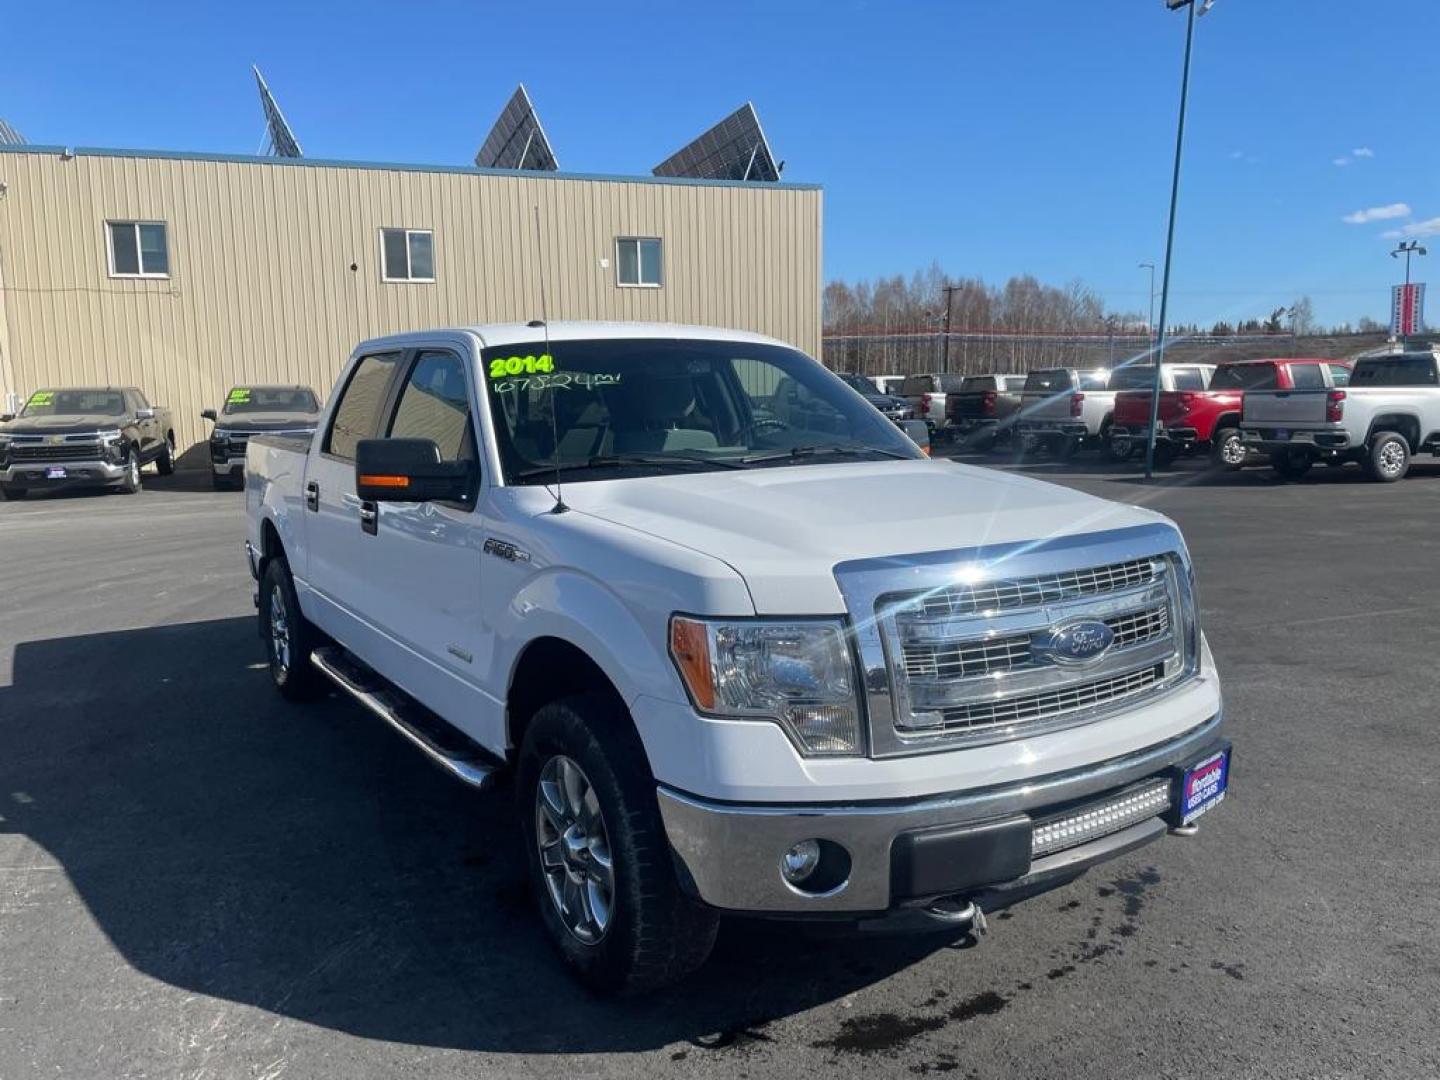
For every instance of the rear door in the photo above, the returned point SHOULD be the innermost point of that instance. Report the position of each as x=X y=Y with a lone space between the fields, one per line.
x=337 y=550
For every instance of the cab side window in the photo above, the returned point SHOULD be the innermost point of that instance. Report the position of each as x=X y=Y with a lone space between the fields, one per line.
x=357 y=413
x=435 y=404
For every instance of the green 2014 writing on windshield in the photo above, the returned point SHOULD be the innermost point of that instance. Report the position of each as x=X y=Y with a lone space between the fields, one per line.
x=503 y=366
x=239 y=395
x=41 y=397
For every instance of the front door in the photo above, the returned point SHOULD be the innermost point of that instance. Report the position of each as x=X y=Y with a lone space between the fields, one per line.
x=425 y=557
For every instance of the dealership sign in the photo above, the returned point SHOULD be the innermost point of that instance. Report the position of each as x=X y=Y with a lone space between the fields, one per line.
x=1407 y=310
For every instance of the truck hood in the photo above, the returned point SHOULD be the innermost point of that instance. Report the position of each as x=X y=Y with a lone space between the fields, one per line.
x=266 y=421
x=62 y=425
x=785 y=529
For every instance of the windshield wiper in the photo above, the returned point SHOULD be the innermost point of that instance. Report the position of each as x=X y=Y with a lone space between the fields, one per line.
x=797 y=452
x=613 y=461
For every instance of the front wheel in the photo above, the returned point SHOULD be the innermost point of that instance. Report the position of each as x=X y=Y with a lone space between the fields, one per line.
x=131 y=482
x=289 y=637
x=1291 y=464
x=599 y=860
x=1226 y=449
x=1389 y=458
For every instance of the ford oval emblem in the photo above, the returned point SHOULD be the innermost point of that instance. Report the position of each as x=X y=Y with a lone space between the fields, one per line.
x=1080 y=642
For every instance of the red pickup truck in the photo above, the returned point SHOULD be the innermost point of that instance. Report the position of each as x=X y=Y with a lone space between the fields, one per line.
x=1209 y=417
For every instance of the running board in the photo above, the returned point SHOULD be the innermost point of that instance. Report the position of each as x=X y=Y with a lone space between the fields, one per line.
x=437 y=740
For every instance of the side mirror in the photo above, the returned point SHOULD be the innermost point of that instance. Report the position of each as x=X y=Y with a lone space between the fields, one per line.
x=208 y=414
x=409 y=470
x=5 y=418
x=919 y=433
x=144 y=414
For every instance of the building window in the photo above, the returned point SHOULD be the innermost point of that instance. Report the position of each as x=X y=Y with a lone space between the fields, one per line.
x=137 y=249
x=407 y=254
x=637 y=262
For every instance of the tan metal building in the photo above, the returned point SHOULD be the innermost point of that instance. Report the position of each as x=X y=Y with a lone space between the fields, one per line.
x=184 y=274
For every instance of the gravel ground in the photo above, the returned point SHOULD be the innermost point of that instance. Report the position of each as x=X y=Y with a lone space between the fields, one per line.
x=197 y=880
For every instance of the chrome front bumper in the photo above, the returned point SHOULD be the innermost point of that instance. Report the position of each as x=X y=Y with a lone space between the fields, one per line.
x=32 y=473
x=730 y=854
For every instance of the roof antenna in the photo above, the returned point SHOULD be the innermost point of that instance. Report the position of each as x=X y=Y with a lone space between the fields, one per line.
x=544 y=321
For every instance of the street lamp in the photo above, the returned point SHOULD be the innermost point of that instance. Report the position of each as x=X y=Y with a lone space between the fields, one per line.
x=1150 y=320
x=1193 y=8
x=1408 y=248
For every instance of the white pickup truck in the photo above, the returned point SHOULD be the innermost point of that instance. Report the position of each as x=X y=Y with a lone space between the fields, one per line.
x=1062 y=409
x=740 y=646
x=1387 y=413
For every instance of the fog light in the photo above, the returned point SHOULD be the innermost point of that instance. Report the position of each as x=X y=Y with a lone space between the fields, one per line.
x=800 y=861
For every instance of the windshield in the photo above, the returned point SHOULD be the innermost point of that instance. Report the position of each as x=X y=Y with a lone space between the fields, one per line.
x=265 y=399
x=75 y=403
x=632 y=407
x=1243 y=377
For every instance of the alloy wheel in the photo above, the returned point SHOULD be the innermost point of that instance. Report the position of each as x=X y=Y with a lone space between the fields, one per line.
x=1232 y=451
x=1392 y=458
x=574 y=849
x=279 y=632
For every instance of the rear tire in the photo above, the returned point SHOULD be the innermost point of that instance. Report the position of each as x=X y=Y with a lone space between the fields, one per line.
x=1389 y=458
x=1065 y=447
x=1165 y=454
x=1120 y=448
x=13 y=494
x=165 y=463
x=1291 y=464
x=1226 y=450
x=641 y=931
x=289 y=637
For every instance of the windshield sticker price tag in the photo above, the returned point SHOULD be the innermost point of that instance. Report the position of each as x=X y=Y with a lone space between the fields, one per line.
x=561 y=380
x=503 y=366
x=42 y=397
x=240 y=395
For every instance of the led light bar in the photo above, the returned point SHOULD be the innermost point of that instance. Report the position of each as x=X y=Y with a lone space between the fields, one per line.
x=1087 y=823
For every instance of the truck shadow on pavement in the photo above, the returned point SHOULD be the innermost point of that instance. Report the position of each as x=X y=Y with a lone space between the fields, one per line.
x=304 y=861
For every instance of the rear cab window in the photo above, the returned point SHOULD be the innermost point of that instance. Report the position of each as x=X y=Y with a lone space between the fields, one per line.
x=1245 y=377
x=915 y=385
x=1396 y=371
x=977 y=383
x=1188 y=379
x=1132 y=377
x=1307 y=377
x=1052 y=381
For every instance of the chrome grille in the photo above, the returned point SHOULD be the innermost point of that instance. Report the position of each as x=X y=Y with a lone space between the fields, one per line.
x=1041 y=589
x=1139 y=627
x=966 y=660
x=1050 y=704
x=74 y=451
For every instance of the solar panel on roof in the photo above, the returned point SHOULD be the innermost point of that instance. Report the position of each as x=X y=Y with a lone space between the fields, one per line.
x=9 y=136
x=734 y=149
x=517 y=141
x=282 y=141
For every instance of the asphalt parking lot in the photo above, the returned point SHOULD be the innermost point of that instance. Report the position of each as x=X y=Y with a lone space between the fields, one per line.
x=198 y=880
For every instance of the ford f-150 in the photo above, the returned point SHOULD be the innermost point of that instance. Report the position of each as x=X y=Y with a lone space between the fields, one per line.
x=96 y=437
x=740 y=645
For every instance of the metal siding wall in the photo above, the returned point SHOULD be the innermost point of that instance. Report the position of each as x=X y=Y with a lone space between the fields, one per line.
x=260 y=286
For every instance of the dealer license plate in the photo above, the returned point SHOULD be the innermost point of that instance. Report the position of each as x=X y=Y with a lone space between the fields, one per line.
x=1203 y=786
x=55 y=472
x=1282 y=434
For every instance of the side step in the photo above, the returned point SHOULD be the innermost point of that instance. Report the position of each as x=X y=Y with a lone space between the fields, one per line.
x=441 y=743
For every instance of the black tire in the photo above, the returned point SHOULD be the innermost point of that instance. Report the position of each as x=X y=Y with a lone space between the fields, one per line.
x=1165 y=454
x=13 y=494
x=165 y=463
x=654 y=934
x=132 y=483
x=290 y=670
x=224 y=483
x=1120 y=448
x=1226 y=450
x=1388 y=459
x=1291 y=464
x=1065 y=447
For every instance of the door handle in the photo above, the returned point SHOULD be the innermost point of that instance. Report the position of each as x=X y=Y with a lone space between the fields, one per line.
x=369 y=517
x=312 y=496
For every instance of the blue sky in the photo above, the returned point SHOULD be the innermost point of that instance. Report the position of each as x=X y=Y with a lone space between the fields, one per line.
x=995 y=137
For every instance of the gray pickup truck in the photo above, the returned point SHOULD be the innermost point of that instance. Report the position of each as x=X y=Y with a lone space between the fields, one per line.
x=1389 y=412
x=255 y=410
x=84 y=437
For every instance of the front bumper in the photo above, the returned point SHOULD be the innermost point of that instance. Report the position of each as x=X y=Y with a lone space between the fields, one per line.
x=1270 y=439
x=35 y=475
x=972 y=843
x=232 y=470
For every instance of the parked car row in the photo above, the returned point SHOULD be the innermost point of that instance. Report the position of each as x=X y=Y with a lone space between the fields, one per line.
x=1289 y=413
x=102 y=437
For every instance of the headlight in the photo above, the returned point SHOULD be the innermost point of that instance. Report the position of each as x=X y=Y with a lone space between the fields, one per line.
x=797 y=674
x=112 y=435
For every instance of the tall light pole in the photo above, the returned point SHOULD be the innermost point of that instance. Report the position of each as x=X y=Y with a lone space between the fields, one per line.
x=1190 y=13
x=1408 y=248
x=1150 y=319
